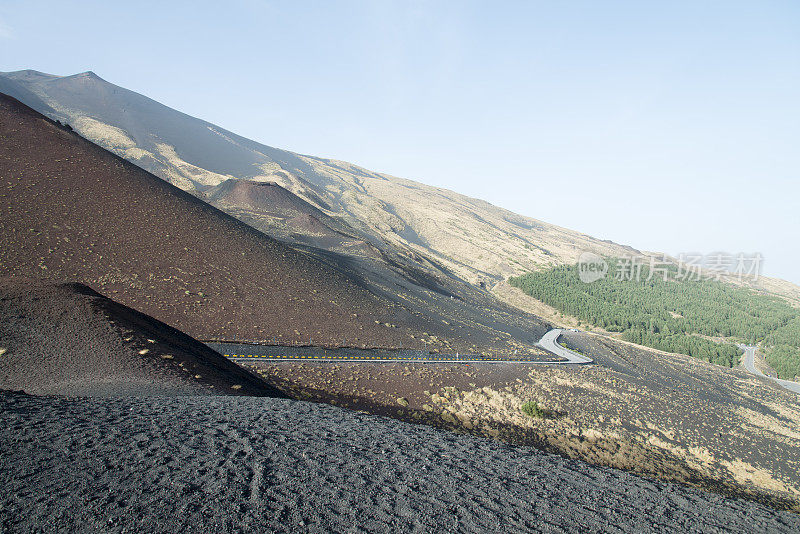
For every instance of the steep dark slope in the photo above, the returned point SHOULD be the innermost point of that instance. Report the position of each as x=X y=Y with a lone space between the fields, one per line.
x=66 y=339
x=71 y=211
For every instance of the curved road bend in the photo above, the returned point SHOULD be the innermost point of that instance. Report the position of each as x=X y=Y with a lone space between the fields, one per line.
x=749 y=364
x=548 y=342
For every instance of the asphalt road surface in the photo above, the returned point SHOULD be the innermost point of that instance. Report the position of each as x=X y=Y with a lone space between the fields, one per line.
x=749 y=364
x=549 y=342
x=247 y=353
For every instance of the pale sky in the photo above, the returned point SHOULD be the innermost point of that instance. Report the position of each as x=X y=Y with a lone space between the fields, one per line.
x=671 y=126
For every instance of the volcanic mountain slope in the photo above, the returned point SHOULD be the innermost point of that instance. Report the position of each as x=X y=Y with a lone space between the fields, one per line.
x=66 y=339
x=404 y=277
x=470 y=237
x=71 y=211
x=446 y=232
x=163 y=141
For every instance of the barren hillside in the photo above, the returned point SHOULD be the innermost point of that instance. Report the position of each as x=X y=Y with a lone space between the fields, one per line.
x=474 y=239
x=70 y=211
x=449 y=233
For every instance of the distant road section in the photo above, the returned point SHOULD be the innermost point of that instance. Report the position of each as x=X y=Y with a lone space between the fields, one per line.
x=345 y=356
x=749 y=364
x=243 y=352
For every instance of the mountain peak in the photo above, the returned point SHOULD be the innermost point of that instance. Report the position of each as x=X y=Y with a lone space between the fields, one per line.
x=29 y=75
x=88 y=74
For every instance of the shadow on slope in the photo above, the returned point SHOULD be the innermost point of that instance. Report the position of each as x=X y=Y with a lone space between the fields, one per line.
x=66 y=339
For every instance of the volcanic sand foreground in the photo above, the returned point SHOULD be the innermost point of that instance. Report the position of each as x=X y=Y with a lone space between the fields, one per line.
x=234 y=464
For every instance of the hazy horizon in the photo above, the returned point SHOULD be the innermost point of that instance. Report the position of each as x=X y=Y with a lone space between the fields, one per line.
x=670 y=128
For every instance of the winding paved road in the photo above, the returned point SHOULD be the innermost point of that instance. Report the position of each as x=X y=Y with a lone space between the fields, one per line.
x=549 y=342
x=235 y=352
x=749 y=364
